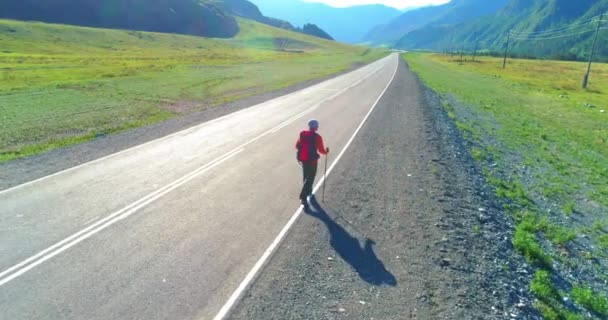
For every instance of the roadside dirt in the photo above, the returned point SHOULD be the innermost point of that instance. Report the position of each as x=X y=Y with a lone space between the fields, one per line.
x=408 y=230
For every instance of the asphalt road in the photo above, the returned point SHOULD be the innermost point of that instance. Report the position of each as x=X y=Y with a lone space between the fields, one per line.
x=171 y=228
x=408 y=230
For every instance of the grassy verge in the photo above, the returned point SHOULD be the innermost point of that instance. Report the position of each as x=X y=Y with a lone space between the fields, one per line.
x=543 y=144
x=61 y=85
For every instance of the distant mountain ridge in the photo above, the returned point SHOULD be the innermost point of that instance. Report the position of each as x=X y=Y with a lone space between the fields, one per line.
x=455 y=11
x=248 y=10
x=344 y=24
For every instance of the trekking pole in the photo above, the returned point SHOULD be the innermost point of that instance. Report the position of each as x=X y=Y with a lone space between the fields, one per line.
x=325 y=176
x=338 y=216
x=351 y=225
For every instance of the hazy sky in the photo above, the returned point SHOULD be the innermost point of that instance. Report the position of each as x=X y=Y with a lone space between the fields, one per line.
x=400 y=4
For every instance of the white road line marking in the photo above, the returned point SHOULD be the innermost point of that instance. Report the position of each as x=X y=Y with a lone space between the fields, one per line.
x=58 y=248
x=144 y=199
x=182 y=131
x=296 y=117
x=84 y=224
x=44 y=255
x=258 y=265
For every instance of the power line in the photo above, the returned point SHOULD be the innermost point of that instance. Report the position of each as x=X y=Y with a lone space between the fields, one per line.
x=556 y=31
x=548 y=34
x=566 y=28
x=548 y=38
x=543 y=34
x=559 y=29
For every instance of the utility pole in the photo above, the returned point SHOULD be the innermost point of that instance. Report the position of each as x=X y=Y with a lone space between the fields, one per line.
x=461 y=52
x=452 y=45
x=504 y=61
x=475 y=50
x=597 y=31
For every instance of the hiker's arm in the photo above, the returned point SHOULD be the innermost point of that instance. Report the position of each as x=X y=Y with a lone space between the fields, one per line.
x=320 y=146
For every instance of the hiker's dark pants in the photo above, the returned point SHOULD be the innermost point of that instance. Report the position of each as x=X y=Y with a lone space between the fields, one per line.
x=309 y=170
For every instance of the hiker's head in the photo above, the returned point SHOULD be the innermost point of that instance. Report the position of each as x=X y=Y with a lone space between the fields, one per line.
x=313 y=124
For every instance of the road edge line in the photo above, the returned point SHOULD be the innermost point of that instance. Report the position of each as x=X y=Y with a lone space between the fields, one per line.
x=244 y=285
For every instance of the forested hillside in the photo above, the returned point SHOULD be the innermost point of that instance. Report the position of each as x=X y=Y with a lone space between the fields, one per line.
x=192 y=17
x=561 y=29
x=207 y=18
x=453 y=12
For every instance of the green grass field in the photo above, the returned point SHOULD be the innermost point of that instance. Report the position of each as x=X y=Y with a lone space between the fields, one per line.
x=543 y=143
x=62 y=85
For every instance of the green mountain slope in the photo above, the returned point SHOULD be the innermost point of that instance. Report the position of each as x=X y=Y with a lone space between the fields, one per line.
x=193 y=17
x=574 y=22
x=208 y=18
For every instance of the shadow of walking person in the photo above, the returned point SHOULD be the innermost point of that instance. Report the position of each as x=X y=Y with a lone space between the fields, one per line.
x=361 y=258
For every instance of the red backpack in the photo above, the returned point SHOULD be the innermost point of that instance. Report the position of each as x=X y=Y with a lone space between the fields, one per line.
x=307 y=148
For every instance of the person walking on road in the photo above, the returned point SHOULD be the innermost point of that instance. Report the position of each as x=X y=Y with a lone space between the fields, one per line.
x=309 y=145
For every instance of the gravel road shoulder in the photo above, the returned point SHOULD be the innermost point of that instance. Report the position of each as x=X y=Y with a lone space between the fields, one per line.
x=408 y=230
